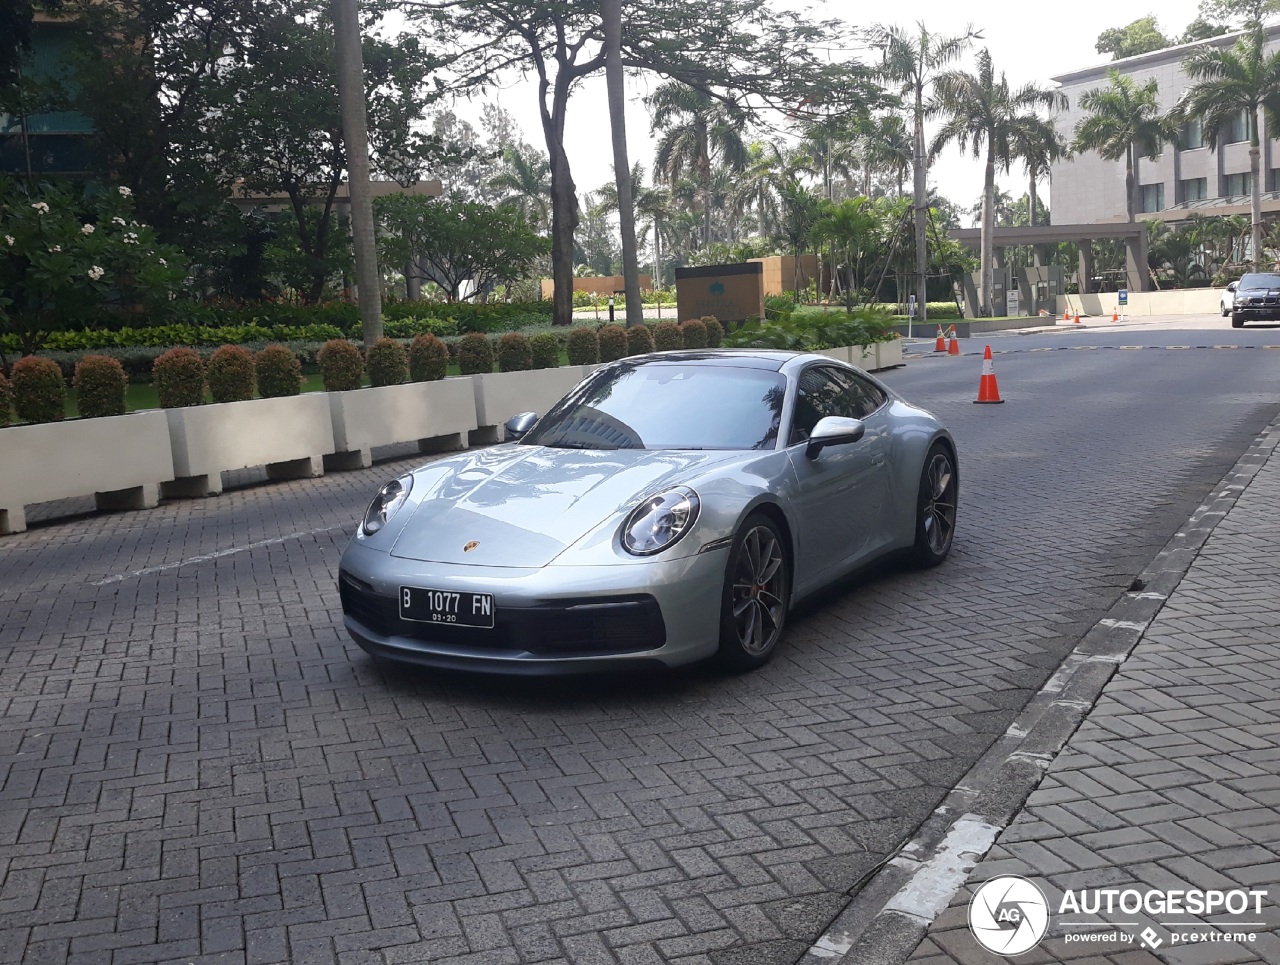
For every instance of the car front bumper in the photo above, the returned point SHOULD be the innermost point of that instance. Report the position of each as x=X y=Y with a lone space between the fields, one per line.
x=548 y=620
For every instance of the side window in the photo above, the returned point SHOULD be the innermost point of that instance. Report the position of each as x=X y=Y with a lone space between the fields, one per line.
x=871 y=396
x=820 y=393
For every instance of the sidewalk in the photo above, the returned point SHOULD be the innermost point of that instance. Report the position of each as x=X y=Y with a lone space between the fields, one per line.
x=1171 y=782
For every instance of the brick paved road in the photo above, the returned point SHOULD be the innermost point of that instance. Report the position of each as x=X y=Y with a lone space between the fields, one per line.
x=195 y=765
x=1171 y=781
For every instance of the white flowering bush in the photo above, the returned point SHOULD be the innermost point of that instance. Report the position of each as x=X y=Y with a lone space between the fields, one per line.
x=68 y=259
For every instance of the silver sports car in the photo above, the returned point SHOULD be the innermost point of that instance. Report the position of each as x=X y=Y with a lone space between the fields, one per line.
x=670 y=508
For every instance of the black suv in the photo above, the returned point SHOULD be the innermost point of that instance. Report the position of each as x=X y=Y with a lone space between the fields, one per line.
x=1257 y=299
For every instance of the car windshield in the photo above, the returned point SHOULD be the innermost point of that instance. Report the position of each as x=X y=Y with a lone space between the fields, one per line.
x=1260 y=280
x=659 y=405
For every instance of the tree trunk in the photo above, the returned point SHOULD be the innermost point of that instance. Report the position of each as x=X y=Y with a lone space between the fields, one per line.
x=564 y=198
x=988 y=233
x=920 y=198
x=1131 y=182
x=355 y=134
x=1031 y=198
x=611 y=12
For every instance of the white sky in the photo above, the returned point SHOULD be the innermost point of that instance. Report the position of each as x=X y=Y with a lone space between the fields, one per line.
x=1029 y=42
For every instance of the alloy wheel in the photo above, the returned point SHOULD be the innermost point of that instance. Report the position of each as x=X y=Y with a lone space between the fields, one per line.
x=939 y=511
x=759 y=578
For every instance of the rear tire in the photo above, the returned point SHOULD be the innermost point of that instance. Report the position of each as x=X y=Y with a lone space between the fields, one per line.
x=936 y=504
x=757 y=593
x=1237 y=321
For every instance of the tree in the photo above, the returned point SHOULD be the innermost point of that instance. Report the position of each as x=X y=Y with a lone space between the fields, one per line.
x=747 y=45
x=355 y=138
x=1236 y=14
x=459 y=241
x=524 y=183
x=889 y=150
x=699 y=133
x=1139 y=37
x=611 y=15
x=1124 y=122
x=16 y=17
x=1230 y=81
x=1037 y=144
x=981 y=112
x=829 y=150
x=910 y=63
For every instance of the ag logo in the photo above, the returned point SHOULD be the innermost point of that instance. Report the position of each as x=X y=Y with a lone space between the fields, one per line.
x=470 y=546
x=717 y=288
x=1008 y=915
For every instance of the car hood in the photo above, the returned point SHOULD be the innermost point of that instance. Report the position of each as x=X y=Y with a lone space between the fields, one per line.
x=522 y=506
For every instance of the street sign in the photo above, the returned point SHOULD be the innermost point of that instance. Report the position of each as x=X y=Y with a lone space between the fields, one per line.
x=1011 y=303
x=1123 y=296
x=911 y=306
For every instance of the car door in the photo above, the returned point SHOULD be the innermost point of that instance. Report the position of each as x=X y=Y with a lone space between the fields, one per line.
x=839 y=494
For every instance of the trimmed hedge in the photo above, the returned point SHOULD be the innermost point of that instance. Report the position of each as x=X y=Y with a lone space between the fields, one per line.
x=387 y=362
x=694 y=333
x=279 y=372
x=39 y=390
x=341 y=365
x=639 y=340
x=715 y=331
x=6 y=401
x=428 y=359
x=178 y=377
x=232 y=374
x=613 y=342
x=667 y=336
x=100 y=383
x=514 y=353
x=545 y=350
x=583 y=346
x=475 y=354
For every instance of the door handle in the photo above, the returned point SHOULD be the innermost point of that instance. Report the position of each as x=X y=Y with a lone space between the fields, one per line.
x=877 y=459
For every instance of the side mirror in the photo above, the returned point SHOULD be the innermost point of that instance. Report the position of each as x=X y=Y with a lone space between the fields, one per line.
x=518 y=426
x=834 y=430
x=1233 y=286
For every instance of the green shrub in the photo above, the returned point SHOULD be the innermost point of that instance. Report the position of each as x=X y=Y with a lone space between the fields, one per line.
x=639 y=340
x=613 y=342
x=428 y=358
x=6 y=401
x=100 y=382
x=341 y=365
x=39 y=390
x=667 y=336
x=514 y=353
x=232 y=374
x=279 y=372
x=583 y=346
x=475 y=354
x=715 y=331
x=388 y=363
x=545 y=349
x=694 y=333
x=178 y=377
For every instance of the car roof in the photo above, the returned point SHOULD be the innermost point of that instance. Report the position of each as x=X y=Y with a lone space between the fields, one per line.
x=768 y=359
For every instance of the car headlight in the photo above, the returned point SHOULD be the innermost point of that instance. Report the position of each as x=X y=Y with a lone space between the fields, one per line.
x=660 y=521
x=389 y=499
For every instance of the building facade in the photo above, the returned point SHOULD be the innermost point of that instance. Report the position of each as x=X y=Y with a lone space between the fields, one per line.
x=1188 y=177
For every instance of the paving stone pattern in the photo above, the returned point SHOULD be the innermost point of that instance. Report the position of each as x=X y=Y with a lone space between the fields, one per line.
x=1172 y=781
x=196 y=765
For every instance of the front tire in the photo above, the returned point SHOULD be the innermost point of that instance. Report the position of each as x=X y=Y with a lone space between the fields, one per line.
x=757 y=593
x=936 y=507
x=1237 y=320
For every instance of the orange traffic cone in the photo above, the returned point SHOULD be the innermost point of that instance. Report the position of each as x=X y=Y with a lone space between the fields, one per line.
x=1115 y=316
x=1077 y=318
x=953 y=346
x=1066 y=315
x=941 y=344
x=988 y=391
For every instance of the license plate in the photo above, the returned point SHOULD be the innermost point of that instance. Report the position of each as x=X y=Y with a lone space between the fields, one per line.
x=452 y=607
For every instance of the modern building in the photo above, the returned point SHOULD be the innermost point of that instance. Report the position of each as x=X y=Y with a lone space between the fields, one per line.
x=1188 y=177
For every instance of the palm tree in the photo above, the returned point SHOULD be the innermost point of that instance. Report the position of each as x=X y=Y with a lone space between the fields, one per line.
x=611 y=15
x=982 y=113
x=1241 y=79
x=910 y=62
x=525 y=185
x=699 y=131
x=828 y=150
x=1124 y=122
x=355 y=136
x=759 y=186
x=887 y=149
x=1037 y=144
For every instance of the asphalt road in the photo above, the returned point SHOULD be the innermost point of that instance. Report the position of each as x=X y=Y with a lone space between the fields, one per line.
x=197 y=766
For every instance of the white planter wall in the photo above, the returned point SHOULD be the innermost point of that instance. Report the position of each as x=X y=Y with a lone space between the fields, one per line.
x=500 y=395
x=423 y=411
x=289 y=436
x=888 y=354
x=121 y=460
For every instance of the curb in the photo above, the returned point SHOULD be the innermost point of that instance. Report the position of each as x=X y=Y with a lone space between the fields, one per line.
x=891 y=914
